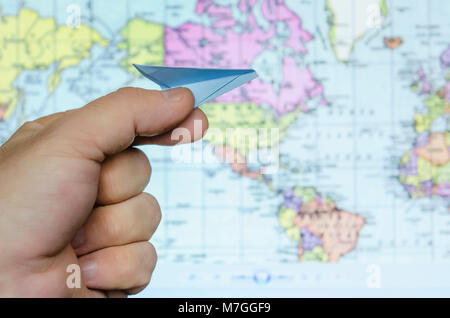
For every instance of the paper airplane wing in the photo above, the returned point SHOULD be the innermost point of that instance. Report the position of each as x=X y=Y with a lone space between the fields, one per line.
x=205 y=84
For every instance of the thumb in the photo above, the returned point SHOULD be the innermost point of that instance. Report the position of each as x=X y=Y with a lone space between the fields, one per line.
x=109 y=124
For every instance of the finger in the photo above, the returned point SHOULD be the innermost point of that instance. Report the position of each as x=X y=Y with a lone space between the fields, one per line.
x=136 y=290
x=191 y=129
x=116 y=294
x=130 y=221
x=123 y=267
x=123 y=176
x=109 y=124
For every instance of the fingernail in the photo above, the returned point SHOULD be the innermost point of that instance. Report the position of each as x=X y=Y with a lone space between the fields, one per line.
x=173 y=94
x=79 y=239
x=88 y=269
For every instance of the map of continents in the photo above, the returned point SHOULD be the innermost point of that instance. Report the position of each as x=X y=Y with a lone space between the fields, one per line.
x=425 y=169
x=269 y=37
x=29 y=42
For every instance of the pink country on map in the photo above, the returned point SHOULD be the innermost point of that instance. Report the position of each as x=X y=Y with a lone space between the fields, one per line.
x=222 y=16
x=323 y=232
x=237 y=161
x=446 y=94
x=221 y=46
x=337 y=230
x=426 y=87
x=3 y=108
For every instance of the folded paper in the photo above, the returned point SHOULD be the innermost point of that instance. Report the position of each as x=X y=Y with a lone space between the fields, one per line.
x=205 y=84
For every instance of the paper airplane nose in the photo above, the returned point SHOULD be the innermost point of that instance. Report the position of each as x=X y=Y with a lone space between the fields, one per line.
x=205 y=84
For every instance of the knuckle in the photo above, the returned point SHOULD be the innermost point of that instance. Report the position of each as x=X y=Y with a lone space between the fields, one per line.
x=126 y=91
x=144 y=278
x=136 y=264
x=30 y=125
x=107 y=178
x=143 y=160
x=110 y=227
x=152 y=257
x=151 y=208
x=127 y=263
x=139 y=94
x=149 y=263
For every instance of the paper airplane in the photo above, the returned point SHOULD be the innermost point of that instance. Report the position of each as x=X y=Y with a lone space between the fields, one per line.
x=205 y=84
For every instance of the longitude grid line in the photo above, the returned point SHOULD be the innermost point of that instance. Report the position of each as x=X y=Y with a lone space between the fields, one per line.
x=91 y=19
x=165 y=165
x=316 y=122
x=355 y=137
x=429 y=58
x=17 y=52
x=203 y=172
x=241 y=180
x=392 y=101
x=55 y=53
x=280 y=236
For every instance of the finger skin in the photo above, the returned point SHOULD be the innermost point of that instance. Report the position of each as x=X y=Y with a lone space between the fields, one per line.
x=123 y=267
x=110 y=124
x=123 y=176
x=30 y=129
x=130 y=221
x=195 y=125
x=116 y=294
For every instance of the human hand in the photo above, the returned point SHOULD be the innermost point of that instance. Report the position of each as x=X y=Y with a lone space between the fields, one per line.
x=71 y=193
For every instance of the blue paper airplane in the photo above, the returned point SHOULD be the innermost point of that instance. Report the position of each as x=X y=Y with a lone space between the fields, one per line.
x=205 y=84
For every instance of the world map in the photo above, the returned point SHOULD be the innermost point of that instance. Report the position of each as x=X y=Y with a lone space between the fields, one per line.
x=359 y=93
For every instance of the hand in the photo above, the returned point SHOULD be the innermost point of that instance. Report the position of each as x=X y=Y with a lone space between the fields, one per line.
x=71 y=193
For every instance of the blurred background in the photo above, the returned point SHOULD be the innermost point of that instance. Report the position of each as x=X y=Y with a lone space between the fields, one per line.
x=358 y=91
